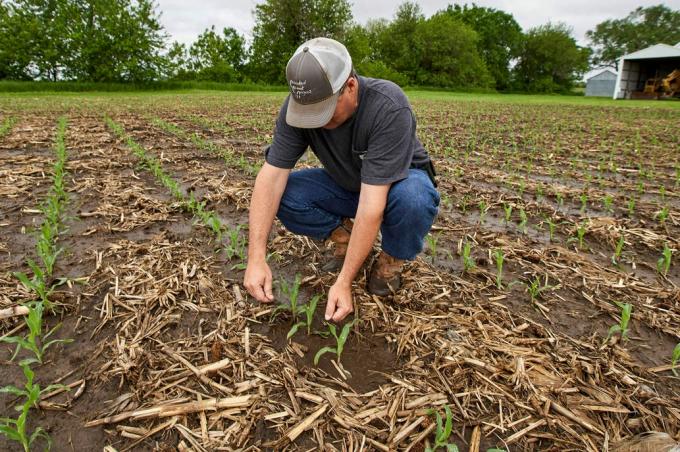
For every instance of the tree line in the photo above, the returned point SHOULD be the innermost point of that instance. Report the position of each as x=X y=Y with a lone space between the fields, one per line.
x=461 y=46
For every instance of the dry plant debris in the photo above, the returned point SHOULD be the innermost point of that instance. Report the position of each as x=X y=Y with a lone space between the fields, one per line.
x=171 y=354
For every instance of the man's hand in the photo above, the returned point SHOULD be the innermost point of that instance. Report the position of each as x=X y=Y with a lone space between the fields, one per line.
x=340 y=303
x=258 y=281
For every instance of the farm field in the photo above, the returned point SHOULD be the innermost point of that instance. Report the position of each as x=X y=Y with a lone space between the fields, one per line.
x=544 y=311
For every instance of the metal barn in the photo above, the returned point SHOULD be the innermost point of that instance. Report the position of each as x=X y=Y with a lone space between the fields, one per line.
x=602 y=84
x=638 y=68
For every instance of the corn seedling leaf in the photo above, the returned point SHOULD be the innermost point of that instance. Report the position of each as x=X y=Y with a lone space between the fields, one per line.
x=10 y=432
x=343 y=337
x=12 y=390
x=448 y=425
x=321 y=352
x=294 y=329
x=439 y=436
x=675 y=358
x=38 y=432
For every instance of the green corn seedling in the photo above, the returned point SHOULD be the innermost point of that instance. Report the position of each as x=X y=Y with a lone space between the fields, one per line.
x=539 y=192
x=6 y=126
x=36 y=284
x=339 y=341
x=236 y=246
x=464 y=203
x=291 y=292
x=608 y=203
x=34 y=341
x=664 y=262
x=662 y=193
x=675 y=358
x=507 y=208
x=535 y=289
x=662 y=215
x=622 y=327
x=618 y=250
x=446 y=201
x=551 y=228
x=308 y=310
x=581 y=230
x=523 y=219
x=498 y=256
x=442 y=430
x=432 y=241
x=560 y=199
x=483 y=207
x=468 y=262
x=15 y=429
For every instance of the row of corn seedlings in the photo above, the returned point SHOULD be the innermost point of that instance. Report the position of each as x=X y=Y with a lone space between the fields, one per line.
x=296 y=310
x=663 y=264
x=7 y=125
x=41 y=284
x=235 y=245
x=228 y=156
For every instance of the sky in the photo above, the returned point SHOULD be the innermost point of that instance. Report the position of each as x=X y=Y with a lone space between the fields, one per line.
x=185 y=20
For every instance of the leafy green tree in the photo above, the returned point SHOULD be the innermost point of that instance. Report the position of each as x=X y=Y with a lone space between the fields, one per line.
x=282 y=25
x=398 y=44
x=449 y=56
x=177 y=62
x=358 y=40
x=550 y=60
x=34 y=38
x=217 y=57
x=115 y=41
x=10 y=68
x=500 y=38
x=641 y=28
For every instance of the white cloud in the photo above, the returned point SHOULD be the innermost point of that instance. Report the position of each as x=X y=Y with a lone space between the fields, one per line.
x=185 y=20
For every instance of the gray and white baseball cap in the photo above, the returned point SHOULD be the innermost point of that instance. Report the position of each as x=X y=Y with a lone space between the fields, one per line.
x=316 y=72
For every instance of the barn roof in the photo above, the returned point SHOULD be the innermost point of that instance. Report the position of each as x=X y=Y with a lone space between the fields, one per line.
x=655 y=51
x=606 y=74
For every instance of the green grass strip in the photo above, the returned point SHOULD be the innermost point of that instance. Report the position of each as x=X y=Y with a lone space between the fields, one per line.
x=7 y=125
x=228 y=156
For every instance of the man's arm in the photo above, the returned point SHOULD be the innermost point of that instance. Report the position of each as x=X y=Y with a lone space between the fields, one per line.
x=372 y=202
x=269 y=186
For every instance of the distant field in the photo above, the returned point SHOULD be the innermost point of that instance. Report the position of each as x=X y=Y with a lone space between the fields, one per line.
x=560 y=219
x=414 y=94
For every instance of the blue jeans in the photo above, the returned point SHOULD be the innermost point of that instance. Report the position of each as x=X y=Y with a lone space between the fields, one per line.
x=314 y=205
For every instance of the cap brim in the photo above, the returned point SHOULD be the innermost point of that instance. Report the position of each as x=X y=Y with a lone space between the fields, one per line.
x=311 y=116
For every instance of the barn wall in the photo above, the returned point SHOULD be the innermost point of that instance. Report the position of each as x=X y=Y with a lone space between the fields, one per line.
x=600 y=88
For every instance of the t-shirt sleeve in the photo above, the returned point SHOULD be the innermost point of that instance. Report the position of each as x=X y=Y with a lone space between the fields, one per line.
x=288 y=144
x=389 y=153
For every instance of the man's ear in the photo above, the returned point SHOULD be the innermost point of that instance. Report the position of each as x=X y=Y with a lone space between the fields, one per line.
x=352 y=83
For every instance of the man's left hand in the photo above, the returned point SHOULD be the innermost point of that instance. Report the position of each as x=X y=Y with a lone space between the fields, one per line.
x=340 y=303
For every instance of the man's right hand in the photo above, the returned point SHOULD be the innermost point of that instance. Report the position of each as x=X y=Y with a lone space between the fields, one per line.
x=258 y=281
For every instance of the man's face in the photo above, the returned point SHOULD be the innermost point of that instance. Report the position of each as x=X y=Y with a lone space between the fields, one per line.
x=347 y=104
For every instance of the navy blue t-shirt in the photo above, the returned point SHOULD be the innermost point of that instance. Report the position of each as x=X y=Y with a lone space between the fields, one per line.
x=376 y=146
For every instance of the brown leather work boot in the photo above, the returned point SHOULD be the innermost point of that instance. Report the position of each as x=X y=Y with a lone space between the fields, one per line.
x=385 y=275
x=340 y=238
